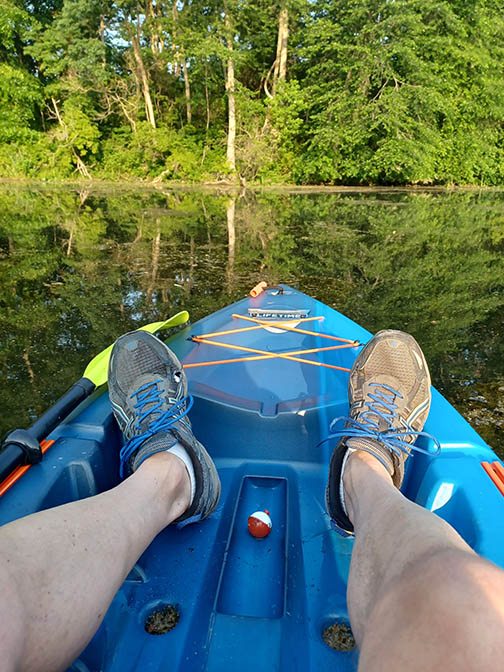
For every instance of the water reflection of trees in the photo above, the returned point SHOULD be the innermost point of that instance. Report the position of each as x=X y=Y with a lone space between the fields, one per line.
x=80 y=267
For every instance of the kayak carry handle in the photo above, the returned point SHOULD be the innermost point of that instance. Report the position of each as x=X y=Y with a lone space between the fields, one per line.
x=262 y=287
x=22 y=446
x=258 y=289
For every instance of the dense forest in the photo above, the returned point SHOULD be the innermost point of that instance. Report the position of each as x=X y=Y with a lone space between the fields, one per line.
x=296 y=91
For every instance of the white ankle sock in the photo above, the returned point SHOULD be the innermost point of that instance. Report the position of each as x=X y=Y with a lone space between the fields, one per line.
x=341 y=488
x=179 y=450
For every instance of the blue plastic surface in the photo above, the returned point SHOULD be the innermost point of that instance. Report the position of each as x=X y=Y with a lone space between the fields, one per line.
x=252 y=604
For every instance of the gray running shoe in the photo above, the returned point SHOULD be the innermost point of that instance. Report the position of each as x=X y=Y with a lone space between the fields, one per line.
x=148 y=394
x=389 y=395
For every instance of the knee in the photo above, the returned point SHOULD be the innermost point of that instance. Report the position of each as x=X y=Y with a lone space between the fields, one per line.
x=456 y=575
x=448 y=607
x=447 y=580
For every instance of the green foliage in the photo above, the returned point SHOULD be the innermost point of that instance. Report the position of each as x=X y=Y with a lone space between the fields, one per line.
x=402 y=92
x=152 y=152
x=69 y=50
x=286 y=115
x=377 y=92
x=20 y=93
x=78 y=130
x=13 y=20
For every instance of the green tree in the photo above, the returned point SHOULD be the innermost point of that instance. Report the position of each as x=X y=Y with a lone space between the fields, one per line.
x=399 y=91
x=20 y=91
x=330 y=91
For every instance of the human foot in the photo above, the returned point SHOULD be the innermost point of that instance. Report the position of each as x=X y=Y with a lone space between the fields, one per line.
x=389 y=396
x=148 y=393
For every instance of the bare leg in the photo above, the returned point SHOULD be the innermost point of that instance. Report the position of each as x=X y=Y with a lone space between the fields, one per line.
x=419 y=597
x=79 y=553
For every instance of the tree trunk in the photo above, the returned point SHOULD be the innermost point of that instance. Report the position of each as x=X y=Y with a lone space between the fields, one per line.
x=179 y=61
x=81 y=166
x=156 y=244
x=280 y=71
x=149 y=108
x=230 y=216
x=101 y=32
x=187 y=89
x=70 y=239
x=284 y=27
x=126 y=112
x=155 y=39
x=174 y=38
x=29 y=366
x=230 y=88
x=207 y=99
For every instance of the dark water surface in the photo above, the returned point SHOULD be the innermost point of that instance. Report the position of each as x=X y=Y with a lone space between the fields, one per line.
x=78 y=268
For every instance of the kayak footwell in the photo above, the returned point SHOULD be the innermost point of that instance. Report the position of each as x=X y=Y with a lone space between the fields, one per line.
x=244 y=603
x=252 y=581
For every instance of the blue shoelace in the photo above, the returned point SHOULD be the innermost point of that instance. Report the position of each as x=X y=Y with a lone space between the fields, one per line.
x=151 y=394
x=382 y=406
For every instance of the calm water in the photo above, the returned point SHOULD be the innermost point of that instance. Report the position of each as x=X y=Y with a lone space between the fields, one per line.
x=78 y=268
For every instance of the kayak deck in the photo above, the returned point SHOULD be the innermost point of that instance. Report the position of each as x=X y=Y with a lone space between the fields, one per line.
x=243 y=602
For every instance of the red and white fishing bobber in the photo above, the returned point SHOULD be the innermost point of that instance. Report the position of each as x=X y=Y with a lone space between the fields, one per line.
x=259 y=524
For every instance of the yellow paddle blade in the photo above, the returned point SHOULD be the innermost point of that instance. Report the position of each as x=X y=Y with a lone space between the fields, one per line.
x=97 y=369
x=174 y=321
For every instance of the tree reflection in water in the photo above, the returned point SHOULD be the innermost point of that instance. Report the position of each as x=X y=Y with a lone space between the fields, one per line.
x=79 y=268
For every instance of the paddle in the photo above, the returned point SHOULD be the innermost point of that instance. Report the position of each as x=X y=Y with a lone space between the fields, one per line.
x=22 y=446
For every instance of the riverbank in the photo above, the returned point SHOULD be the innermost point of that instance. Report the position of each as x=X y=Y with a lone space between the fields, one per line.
x=130 y=185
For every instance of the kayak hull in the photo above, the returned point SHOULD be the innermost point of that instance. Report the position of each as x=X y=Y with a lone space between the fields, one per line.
x=243 y=602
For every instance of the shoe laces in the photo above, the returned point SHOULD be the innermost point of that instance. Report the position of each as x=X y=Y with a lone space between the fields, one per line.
x=149 y=403
x=381 y=406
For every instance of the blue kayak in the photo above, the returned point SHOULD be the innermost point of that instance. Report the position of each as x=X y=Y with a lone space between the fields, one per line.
x=268 y=374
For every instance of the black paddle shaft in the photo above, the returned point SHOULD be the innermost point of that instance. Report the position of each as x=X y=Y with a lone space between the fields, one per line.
x=22 y=446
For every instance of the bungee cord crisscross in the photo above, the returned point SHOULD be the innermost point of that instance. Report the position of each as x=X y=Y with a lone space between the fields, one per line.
x=258 y=354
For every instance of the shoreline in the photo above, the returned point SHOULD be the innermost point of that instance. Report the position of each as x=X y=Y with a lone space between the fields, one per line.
x=226 y=187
